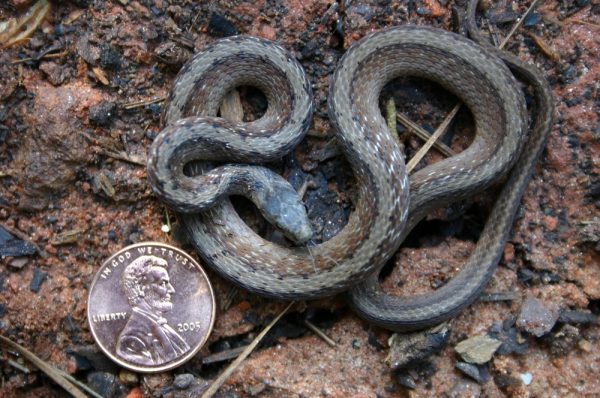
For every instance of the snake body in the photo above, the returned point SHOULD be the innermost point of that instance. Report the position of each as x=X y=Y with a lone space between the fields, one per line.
x=220 y=236
x=417 y=312
x=383 y=213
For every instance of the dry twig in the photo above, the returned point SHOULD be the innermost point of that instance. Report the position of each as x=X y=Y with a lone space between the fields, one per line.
x=440 y=130
x=218 y=382
x=319 y=333
x=139 y=104
x=437 y=134
x=48 y=369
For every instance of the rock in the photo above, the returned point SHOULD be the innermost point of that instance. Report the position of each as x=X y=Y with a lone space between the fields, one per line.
x=37 y=280
x=183 y=381
x=55 y=73
x=406 y=381
x=507 y=383
x=411 y=347
x=583 y=344
x=11 y=246
x=477 y=373
x=156 y=382
x=106 y=385
x=110 y=58
x=537 y=317
x=102 y=113
x=478 y=349
x=512 y=341
x=563 y=340
x=52 y=149
x=532 y=19
x=128 y=378
x=18 y=262
x=589 y=235
x=526 y=378
x=89 y=356
x=219 y=26
x=172 y=54
x=256 y=390
x=86 y=50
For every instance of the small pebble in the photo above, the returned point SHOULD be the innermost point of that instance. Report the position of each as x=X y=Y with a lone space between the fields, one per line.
x=406 y=381
x=110 y=58
x=256 y=389
x=532 y=19
x=183 y=381
x=563 y=340
x=36 y=281
x=219 y=26
x=102 y=113
x=11 y=246
x=537 y=317
x=585 y=345
x=106 y=384
x=128 y=378
x=470 y=370
x=526 y=378
x=478 y=349
x=412 y=347
x=18 y=262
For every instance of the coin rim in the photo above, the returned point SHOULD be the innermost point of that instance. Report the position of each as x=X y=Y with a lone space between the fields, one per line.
x=170 y=365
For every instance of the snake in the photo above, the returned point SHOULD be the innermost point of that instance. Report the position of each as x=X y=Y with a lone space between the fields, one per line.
x=231 y=157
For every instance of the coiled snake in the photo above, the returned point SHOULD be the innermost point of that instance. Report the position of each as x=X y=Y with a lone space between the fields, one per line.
x=384 y=210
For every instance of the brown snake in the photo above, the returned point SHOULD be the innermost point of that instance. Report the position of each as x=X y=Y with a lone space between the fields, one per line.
x=383 y=214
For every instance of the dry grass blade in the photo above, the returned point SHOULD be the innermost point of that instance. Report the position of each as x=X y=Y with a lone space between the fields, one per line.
x=585 y=23
x=442 y=128
x=517 y=24
x=85 y=387
x=16 y=31
x=218 y=382
x=225 y=355
x=320 y=333
x=139 y=104
x=120 y=155
x=49 y=370
x=45 y=56
x=424 y=135
x=544 y=47
x=231 y=106
x=437 y=134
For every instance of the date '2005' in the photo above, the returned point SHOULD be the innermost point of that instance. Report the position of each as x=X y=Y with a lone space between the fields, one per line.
x=189 y=326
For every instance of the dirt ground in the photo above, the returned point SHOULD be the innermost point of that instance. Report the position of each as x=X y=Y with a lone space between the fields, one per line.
x=76 y=119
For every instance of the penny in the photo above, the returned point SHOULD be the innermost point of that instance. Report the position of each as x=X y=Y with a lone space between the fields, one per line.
x=150 y=307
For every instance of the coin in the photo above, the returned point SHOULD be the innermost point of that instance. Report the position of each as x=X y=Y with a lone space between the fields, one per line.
x=150 y=307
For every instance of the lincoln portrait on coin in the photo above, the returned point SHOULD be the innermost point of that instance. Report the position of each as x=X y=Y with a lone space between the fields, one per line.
x=147 y=339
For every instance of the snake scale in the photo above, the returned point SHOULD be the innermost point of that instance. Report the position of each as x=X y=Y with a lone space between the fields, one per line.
x=385 y=209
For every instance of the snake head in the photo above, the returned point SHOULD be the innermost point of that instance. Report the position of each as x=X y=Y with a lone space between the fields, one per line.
x=282 y=207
